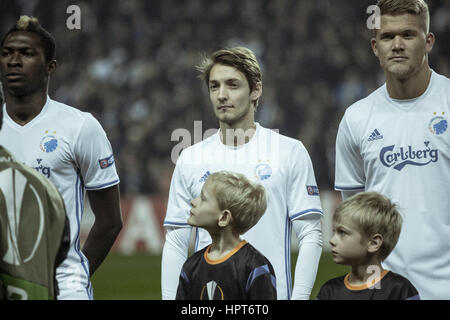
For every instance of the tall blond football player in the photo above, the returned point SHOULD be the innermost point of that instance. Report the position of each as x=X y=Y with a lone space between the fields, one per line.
x=281 y=164
x=396 y=142
x=66 y=145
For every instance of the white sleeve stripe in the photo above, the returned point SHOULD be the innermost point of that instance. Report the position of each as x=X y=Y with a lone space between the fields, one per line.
x=305 y=212
x=171 y=223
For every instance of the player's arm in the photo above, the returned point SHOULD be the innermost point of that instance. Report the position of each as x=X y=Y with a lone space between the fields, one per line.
x=178 y=232
x=105 y=204
x=93 y=156
x=349 y=171
x=174 y=255
x=309 y=235
x=305 y=211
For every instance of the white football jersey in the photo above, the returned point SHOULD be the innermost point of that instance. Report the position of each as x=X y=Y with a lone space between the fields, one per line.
x=280 y=163
x=401 y=148
x=71 y=149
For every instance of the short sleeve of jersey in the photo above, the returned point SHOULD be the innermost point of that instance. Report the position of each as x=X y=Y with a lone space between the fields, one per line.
x=178 y=206
x=94 y=156
x=262 y=283
x=349 y=170
x=303 y=193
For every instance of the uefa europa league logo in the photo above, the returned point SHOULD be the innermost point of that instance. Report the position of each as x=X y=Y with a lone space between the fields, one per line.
x=21 y=244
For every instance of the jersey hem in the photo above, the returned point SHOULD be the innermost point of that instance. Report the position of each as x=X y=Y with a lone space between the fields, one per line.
x=339 y=188
x=103 y=186
x=175 y=224
x=305 y=212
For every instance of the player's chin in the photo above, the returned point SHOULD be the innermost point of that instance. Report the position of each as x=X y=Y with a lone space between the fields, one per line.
x=400 y=71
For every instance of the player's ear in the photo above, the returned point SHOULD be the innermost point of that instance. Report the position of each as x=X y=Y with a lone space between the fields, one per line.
x=429 y=42
x=374 y=243
x=51 y=67
x=225 y=218
x=373 y=43
x=257 y=91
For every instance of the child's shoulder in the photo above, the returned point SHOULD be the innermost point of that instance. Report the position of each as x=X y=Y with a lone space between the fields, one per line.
x=254 y=254
x=195 y=259
x=334 y=282
x=329 y=289
x=397 y=279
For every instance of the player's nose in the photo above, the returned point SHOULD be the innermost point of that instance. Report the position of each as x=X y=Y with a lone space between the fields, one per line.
x=223 y=94
x=397 y=43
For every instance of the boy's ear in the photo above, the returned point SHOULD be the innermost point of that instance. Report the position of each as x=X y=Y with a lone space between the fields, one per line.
x=374 y=243
x=225 y=218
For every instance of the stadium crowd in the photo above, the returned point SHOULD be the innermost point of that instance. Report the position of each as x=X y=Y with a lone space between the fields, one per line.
x=132 y=65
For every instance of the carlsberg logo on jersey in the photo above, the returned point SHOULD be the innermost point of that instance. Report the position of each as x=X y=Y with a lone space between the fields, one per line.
x=403 y=156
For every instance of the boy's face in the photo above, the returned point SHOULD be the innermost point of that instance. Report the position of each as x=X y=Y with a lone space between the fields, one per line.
x=349 y=245
x=205 y=212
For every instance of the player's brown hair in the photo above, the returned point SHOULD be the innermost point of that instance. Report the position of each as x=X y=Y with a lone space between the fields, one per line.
x=241 y=58
x=414 y=7
x=31 y=24
x=246 y=200
x=373 y=213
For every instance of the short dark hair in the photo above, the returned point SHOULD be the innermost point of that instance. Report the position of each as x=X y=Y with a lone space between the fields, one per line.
x=31 y=24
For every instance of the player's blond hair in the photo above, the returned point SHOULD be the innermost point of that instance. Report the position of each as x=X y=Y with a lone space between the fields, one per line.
x=414 y=7
x=241 y=58
x=373 y=213
x=245 y=199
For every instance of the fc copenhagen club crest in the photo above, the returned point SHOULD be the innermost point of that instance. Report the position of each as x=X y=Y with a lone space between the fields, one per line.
x=20 y=198
x=49 y=143
x=263 y=171
x=438 y=124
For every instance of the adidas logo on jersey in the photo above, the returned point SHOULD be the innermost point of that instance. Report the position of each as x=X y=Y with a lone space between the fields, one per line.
x=376 y=135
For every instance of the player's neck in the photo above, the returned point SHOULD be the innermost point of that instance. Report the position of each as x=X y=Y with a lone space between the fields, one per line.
x=237 y=134
x=411 y=87
x=222 y=244
x=23 y=109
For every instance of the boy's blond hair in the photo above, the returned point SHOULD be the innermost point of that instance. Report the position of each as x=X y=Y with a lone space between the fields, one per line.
x=414 y=7
x=373 y=213
x=245 y=199
x=241 y=58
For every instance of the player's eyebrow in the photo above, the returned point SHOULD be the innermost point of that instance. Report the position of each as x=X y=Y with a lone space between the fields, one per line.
x=400 y=31
x=213 y=81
